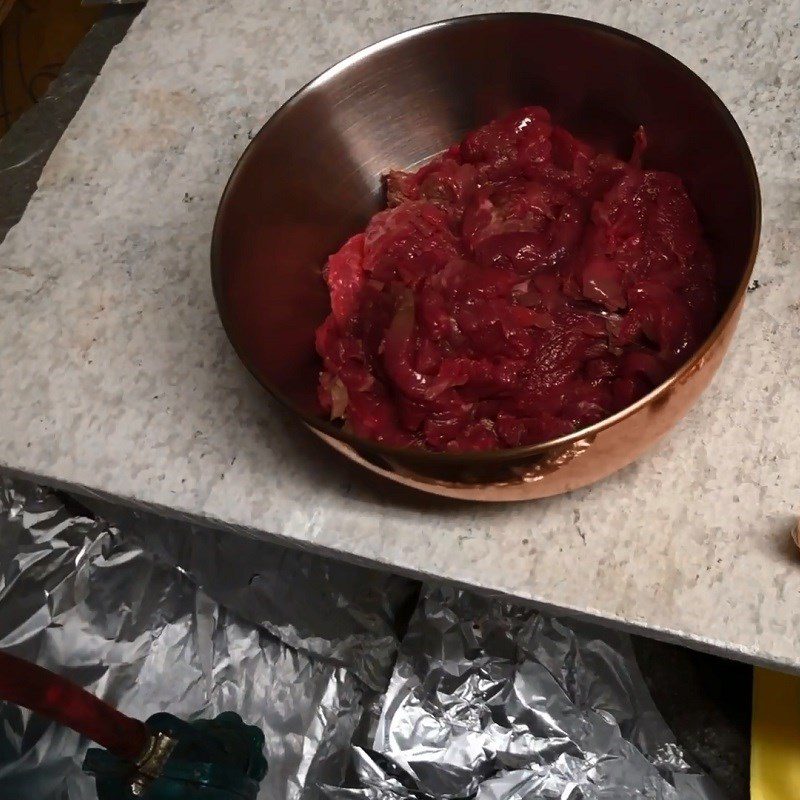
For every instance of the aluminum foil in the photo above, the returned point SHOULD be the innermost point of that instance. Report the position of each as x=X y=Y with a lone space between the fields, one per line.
x=496 y=702
x=335 y=611
x=485 y=700
x=86 y=601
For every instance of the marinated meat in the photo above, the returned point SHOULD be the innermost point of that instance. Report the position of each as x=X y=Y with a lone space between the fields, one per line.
x=517 y=288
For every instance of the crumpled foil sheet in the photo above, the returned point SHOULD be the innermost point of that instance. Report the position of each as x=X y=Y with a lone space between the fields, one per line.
x=329 y=609
x=485 y=700
x=83 y=599
x=496 y=702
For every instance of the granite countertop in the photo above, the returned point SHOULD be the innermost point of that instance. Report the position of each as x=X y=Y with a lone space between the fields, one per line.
x=116 y=377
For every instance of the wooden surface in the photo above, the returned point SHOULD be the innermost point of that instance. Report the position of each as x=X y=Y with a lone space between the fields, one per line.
x=5 y=7
x=36 y=38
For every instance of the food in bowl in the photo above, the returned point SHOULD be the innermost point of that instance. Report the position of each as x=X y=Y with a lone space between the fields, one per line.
x=519 y=287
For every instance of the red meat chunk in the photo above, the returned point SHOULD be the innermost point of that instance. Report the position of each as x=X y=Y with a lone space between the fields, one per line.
x=517 y=288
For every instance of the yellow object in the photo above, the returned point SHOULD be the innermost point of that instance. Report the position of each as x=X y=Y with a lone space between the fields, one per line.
x=775 y=745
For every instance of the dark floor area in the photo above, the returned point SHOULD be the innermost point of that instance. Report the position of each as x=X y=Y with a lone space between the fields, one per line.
x=707 y=701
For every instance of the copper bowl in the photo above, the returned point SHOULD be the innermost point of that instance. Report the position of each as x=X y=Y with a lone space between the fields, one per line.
x=312 y=177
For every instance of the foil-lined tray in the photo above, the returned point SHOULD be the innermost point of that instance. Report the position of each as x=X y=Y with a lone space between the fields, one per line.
x=473 y=698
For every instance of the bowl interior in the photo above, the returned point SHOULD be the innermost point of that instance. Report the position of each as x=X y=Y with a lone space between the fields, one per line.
x=311 y=177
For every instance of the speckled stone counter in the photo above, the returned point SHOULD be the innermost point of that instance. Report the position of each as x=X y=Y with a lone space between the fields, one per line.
x=116 y=377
